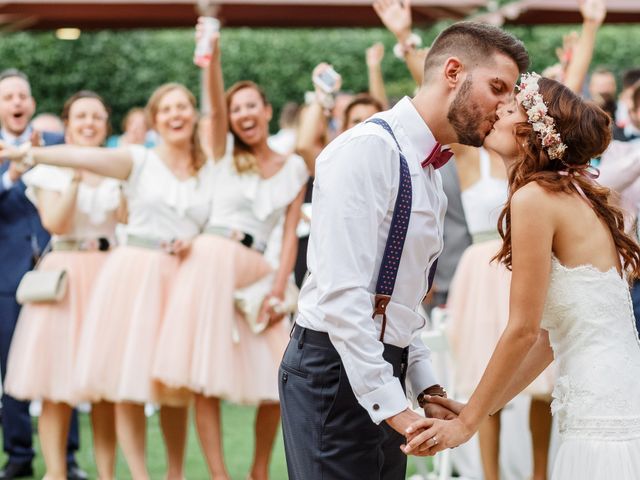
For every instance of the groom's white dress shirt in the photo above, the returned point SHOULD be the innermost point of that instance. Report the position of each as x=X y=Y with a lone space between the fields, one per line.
x=354 y=193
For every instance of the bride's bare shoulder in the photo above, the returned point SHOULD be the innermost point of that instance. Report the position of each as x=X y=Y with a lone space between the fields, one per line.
x=532 y=196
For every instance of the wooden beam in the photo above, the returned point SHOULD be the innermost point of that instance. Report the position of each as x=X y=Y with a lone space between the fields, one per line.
x=253 y=13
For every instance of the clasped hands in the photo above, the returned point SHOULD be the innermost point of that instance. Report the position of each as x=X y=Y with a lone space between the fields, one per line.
x=441 y=429
x=19 y=156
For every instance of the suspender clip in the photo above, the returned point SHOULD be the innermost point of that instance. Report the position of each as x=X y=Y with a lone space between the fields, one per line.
x=380 y=308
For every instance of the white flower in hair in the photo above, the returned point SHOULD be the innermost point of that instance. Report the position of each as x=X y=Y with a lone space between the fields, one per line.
x=537 y=114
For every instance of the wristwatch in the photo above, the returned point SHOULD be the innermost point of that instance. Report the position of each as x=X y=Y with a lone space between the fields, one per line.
x=434 y=391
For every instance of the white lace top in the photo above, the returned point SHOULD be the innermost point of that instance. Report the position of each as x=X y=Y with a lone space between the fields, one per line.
x=589 y=316
x=250 y=203
x=161 y=206
x=96 y=207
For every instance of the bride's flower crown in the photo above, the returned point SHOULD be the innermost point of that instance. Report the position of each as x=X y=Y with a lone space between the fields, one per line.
x=544 y=125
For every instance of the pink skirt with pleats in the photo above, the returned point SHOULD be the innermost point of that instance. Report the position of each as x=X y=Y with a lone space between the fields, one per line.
x=478 y=312
x=123 y=321
x=196 y=350
x=45 y=343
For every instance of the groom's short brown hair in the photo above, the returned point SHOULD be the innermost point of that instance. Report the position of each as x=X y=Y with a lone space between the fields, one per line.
x=474 y=43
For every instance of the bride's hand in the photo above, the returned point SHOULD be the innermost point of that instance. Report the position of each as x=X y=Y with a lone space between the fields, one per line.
x=429 y=436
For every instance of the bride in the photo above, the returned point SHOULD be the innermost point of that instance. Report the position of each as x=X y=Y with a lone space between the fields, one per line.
x=571 y=263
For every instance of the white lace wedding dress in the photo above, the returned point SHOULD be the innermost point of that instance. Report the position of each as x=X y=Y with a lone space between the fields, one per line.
x=589 y=316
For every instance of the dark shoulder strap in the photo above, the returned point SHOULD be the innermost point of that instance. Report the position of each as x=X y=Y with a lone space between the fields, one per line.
x=397 y=235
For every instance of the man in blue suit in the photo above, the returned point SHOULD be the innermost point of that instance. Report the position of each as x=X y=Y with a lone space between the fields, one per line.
x=22 y=240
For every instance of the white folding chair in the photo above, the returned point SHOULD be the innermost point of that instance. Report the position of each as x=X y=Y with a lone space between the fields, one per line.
x=435 y=339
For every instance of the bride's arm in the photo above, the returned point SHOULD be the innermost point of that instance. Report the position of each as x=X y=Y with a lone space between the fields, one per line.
x=532 y=230
x=538 y=358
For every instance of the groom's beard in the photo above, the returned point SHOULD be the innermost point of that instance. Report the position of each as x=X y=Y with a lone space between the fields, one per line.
x=465 y=116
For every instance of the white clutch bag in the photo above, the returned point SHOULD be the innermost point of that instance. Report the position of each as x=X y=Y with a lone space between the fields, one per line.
x=42 y=286
x=248 y=301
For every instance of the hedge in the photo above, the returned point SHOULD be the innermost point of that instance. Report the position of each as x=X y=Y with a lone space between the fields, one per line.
x=125 y=66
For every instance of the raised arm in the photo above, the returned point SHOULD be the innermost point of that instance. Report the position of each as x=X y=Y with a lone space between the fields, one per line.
x=313 y=123
x=309 y=141
x=374 y=55
x=396 y=16
x=107 y=162
x=215 y=89
x=593 y=14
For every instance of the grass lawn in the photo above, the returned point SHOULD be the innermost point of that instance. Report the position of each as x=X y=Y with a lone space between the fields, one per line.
x=238 y=448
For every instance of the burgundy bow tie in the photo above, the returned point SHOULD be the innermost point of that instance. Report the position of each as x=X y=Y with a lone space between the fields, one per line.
x=437 y=157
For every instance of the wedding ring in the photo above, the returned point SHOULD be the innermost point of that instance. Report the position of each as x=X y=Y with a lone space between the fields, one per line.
x=435 y=440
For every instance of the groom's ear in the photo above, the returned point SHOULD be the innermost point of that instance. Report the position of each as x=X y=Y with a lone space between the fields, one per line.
x=453 y=69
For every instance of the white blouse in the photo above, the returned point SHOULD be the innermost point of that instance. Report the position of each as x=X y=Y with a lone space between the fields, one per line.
x=161 y=206
x=96 y=206
x=483 y=201
x=252 y=204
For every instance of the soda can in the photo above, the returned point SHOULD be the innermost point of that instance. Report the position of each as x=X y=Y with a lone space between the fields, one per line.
x=202 y=53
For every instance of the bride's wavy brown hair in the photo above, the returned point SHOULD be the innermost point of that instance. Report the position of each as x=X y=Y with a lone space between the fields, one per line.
x=586 y=131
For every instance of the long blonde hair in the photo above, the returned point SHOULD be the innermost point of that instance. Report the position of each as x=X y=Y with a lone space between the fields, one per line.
x=243 y=158
x=198 y=157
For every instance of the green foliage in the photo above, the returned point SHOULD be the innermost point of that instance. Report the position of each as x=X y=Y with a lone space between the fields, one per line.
x=126 y=66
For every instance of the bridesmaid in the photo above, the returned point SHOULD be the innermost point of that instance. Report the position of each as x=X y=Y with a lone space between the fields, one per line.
x=204 y=346
x=81 y=210
x=168 y=194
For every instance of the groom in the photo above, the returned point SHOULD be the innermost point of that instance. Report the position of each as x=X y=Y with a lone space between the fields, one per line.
x=342 y=378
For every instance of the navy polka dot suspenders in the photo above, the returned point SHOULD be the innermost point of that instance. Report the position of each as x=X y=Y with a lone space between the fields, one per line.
x=396 y=237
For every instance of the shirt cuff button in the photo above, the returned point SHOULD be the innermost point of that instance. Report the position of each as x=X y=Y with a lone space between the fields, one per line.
x=376 y=407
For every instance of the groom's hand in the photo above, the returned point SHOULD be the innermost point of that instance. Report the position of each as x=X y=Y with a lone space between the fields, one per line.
x=447 y=403
x=434 y=410
x=403 y=420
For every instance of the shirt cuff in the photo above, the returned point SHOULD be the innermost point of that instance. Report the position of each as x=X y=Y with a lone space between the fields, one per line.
x=420 y=376
x=6 y=181
x=385 y=402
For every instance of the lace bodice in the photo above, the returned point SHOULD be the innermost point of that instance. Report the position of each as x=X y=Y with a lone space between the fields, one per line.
x=589 y=317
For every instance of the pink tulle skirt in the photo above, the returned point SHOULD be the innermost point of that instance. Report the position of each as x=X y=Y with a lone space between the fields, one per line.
x=478 y=310
x=196 y=350
x=121 y=329
x=44 y=347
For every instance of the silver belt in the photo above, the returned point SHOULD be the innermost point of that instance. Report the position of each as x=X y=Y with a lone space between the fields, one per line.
x=482 y=237
x=150 y=243
x=245 y=239
x=99 y=244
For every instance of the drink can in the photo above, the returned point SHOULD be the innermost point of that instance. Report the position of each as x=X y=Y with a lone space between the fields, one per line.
x=202 y=53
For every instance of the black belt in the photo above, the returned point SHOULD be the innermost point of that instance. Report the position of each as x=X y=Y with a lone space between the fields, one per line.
x=244 y=238
x=393 y=354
